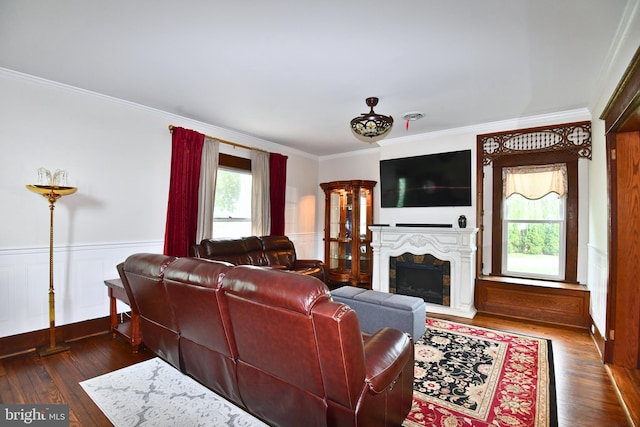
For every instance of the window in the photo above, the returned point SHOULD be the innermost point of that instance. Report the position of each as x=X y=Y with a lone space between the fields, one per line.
x=535 y=235
x=542 y=217
x=533 y=225
x=232 y=205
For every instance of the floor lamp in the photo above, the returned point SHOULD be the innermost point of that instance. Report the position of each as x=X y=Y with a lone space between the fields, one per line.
x=52 y=191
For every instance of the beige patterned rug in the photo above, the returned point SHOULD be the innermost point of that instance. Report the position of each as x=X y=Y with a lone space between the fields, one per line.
x=155 y=394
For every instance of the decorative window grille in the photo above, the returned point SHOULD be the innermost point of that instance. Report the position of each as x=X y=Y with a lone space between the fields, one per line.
x=510 y=149
x=571 y=137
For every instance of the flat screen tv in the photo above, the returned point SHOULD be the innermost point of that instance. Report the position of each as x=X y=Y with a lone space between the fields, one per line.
x=442 y=179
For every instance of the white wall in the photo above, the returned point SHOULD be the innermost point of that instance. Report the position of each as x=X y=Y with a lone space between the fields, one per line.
x=118 y=155
x=365 y=165
x=628 y=41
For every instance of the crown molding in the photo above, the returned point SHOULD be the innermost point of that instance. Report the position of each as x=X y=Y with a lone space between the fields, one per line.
x=174 y=119
x=576 y=115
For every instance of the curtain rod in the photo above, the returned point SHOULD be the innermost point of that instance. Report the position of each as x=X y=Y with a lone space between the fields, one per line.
x=234 y=144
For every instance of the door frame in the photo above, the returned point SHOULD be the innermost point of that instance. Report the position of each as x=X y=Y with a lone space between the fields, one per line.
x=621 y=114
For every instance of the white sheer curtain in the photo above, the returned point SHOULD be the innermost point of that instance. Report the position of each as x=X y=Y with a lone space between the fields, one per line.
x=207 y=189
x=534 y=182
x=260 y=202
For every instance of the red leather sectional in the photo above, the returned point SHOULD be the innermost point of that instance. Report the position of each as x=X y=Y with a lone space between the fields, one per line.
x=270 y=341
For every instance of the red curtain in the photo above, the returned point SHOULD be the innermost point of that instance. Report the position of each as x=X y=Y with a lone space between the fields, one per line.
x=277 y=190
x=182 y=210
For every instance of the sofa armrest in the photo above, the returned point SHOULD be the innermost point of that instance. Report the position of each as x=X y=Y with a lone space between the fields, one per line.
x=301 y=264
x=195 y=251
x=307 y=263
x=386 y=354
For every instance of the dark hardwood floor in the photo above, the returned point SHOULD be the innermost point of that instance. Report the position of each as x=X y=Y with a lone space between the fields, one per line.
x=585 y=394
x=30 y=379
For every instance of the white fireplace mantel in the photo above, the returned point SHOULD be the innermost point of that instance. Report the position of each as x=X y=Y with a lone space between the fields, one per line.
x=456 y=245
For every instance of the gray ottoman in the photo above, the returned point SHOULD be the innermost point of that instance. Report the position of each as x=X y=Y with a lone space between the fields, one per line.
x=377 y=310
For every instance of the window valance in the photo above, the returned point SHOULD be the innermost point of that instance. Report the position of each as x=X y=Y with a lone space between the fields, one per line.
x=536 y=181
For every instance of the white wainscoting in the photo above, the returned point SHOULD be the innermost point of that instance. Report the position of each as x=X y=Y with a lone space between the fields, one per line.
x=306 y=244
x=598 y=279
x=79 y=274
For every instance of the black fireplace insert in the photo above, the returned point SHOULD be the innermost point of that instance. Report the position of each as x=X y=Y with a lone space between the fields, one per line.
x=424 y=281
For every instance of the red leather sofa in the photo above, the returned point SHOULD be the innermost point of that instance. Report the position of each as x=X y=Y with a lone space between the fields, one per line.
x=272 y=342
x=267 y=251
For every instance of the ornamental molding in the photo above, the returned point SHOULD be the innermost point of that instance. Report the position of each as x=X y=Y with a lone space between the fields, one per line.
x=574 y=138
x=418 y=240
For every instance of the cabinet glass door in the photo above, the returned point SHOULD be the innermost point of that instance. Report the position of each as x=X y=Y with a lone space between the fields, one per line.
x=348 y=213
x=340 y=230
x=365 y=234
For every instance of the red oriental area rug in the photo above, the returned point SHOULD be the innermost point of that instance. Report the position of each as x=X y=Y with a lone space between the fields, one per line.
x=471 y=376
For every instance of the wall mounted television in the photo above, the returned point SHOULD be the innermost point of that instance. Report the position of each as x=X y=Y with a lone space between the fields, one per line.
x=442 y=179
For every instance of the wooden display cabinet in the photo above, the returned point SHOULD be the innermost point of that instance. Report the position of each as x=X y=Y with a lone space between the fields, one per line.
x=347 y=238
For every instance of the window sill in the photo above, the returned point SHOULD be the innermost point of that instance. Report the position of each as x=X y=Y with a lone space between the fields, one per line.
x=533 y=282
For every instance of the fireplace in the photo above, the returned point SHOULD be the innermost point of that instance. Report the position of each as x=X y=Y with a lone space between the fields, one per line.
x=423 y=281
x=422 y=276
x=453 y=248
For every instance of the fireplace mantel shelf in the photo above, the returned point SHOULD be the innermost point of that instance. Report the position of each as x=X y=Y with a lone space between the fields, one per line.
x=456 y=245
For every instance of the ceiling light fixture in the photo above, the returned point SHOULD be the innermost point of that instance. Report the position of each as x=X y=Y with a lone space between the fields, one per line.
x=371 y=125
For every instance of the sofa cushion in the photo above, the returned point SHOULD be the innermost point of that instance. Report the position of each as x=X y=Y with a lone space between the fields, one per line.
x=279 y=374
x=285 y=290
x=279 y=250
x=245 y=251
x=144 y=276
x=254 y=251
x=208 y=353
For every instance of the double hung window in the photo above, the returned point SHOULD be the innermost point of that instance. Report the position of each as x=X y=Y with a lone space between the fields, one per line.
x=534 y=221
x=232 y=205
x=535 y=228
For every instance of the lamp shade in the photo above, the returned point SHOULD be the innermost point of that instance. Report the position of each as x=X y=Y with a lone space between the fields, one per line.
x=371 y=125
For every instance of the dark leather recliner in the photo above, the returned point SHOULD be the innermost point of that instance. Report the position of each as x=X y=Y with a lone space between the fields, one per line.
x=307 y=351
x=277 y=252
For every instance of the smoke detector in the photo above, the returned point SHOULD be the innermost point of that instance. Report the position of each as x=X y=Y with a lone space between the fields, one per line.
x=412 y=116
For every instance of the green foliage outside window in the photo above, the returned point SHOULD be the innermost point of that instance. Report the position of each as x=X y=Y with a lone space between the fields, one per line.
x=227 y=193
x=534 y=238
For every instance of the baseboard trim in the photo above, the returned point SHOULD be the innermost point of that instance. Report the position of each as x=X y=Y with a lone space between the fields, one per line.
x=29 y=341
x=598 y=338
